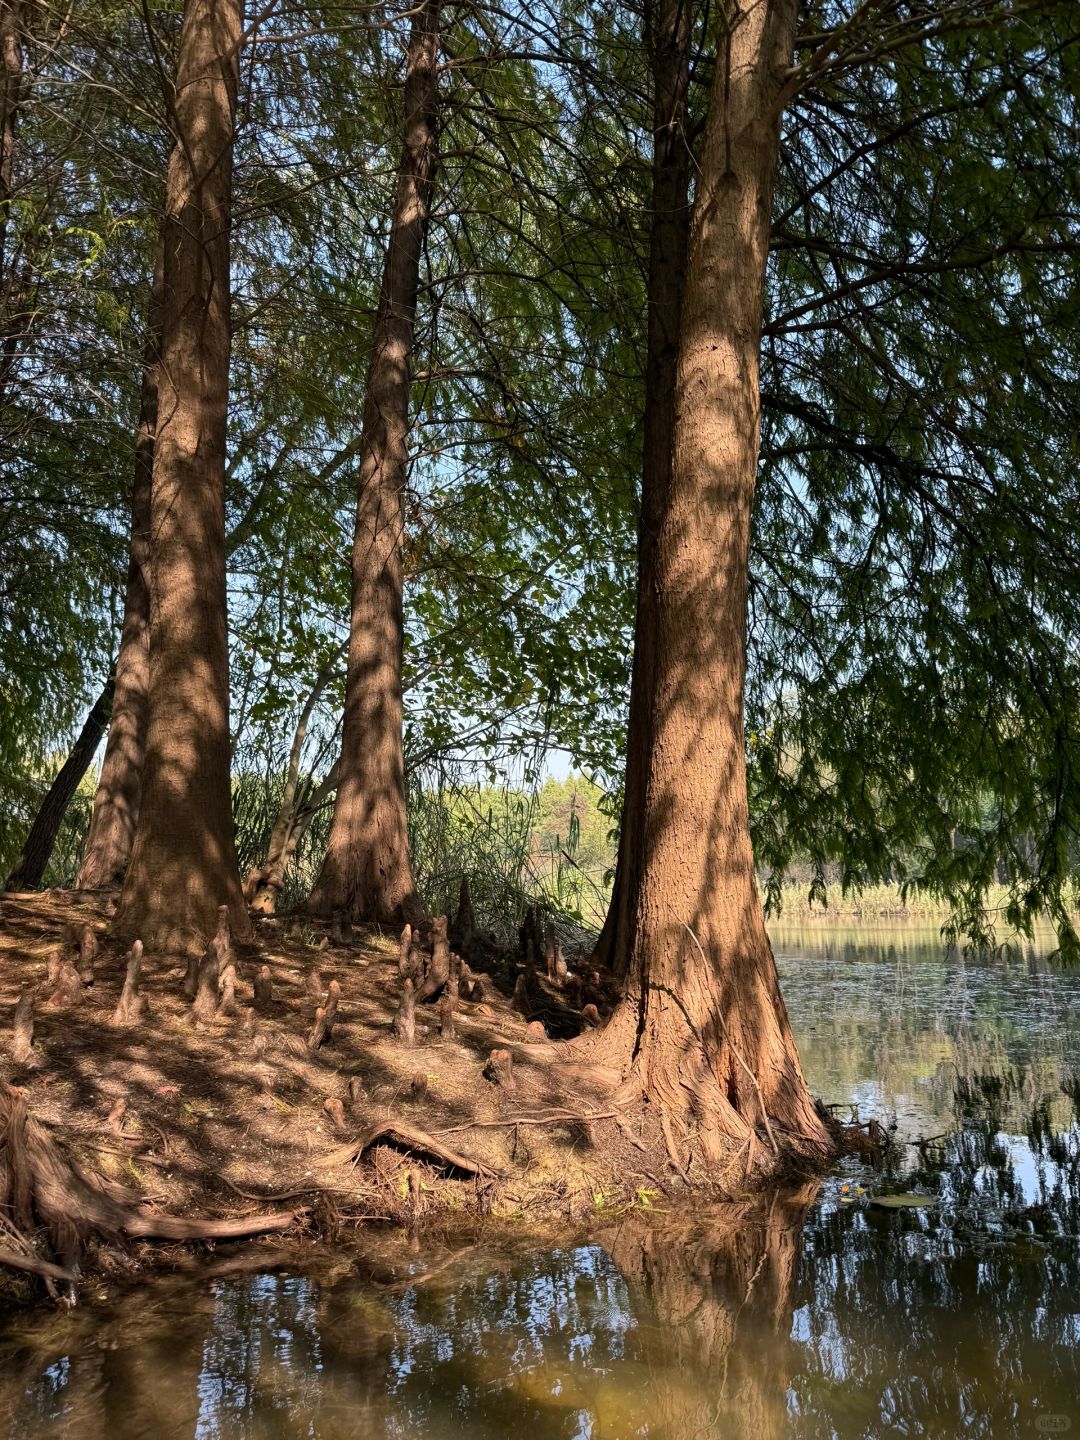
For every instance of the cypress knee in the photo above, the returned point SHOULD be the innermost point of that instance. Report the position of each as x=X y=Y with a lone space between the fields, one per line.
x=405 y=1019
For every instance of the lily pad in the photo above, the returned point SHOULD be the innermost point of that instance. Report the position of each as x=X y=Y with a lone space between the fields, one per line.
x=901 y=1202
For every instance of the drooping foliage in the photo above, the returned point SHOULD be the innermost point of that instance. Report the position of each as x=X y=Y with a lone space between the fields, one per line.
x=914 y=675
x=912 y=669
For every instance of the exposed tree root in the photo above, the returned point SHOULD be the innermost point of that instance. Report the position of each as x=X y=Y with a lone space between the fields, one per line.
x=439 y=970
x=553 y=1123
x=33 y=1266
x=555 y=1117
x=132 y=1007
x=417 y=1142
x=47 y=1194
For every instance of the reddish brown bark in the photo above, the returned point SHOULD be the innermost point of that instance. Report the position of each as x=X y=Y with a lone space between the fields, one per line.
x=668 y=25
x=109 y=839
x=38 y=845
x=183 y=864
x=367 y=871
x=703 y=1020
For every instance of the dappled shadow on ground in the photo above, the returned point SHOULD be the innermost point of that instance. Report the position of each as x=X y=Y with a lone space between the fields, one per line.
x=219 y=1116
x=805 y=1313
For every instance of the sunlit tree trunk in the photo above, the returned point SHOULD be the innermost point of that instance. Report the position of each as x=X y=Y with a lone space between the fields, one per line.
x=668 y=33
x=116 y=802
x=703 y=1021
x=38 y=846
x=183 y=864
x=367 y=871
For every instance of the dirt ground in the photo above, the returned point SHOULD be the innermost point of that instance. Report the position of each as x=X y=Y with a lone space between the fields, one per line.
x=236 y=1116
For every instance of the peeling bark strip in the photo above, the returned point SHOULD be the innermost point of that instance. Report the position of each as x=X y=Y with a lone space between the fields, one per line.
x=704 y=1021
x=183 y=864
x=111 y=835
x=367 y=873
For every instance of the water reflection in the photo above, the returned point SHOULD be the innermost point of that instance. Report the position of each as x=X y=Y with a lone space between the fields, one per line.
x=658 y=1330
x=815 y=1313
x=886 y=1023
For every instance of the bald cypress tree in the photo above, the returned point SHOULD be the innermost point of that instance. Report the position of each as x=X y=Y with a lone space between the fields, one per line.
x=183 y=864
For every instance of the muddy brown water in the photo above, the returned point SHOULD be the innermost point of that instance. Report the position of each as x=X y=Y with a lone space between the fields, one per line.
x=819 y=1313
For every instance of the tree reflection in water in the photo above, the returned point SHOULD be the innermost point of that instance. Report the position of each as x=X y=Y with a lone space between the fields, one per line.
x=810 y=1314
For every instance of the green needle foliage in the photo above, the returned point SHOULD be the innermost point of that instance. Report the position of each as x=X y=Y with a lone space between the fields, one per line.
x=914 y=684
x=912 y=688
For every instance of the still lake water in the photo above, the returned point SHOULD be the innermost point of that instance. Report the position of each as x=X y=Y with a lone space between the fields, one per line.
x=816 y=1314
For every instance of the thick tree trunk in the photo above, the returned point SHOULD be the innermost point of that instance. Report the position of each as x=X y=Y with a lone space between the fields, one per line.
x=116 y=802
x=38 y=846
x=367 y=872
x=703 y=1019
x=668 y=27
x=183 y=864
